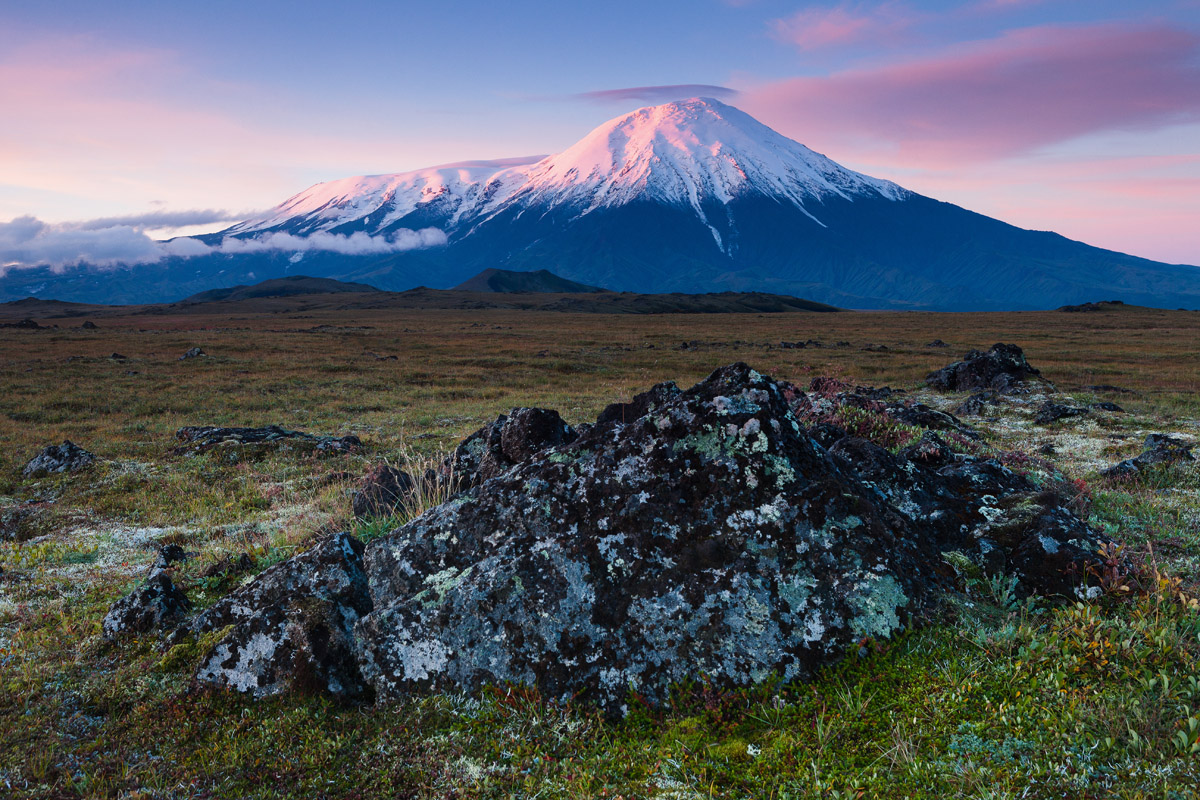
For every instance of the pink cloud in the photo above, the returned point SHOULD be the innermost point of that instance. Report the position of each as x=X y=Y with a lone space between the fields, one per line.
x=980 y=100
x=819 y=28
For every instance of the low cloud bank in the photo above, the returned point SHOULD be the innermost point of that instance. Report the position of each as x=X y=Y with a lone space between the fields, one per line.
x=30 y=242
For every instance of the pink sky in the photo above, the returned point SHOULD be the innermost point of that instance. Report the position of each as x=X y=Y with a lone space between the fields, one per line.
x=1082 y=118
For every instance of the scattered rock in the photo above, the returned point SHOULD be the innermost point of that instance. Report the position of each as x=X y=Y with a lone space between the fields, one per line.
x=937 y=343
x=88 y=325
x=976 y=404
x=875 y=348
x=25 y=324
x=1050 y=411
x=710 y=534
x=1003 y=369
x=228 y=566
x=1113 y=407
x=65 y=457
x=168 y=556
x=247 y=442
x=195 y=352
x=152 y=606
x=1104 y=387
x=381 y=491
x=500 y=445
x=292 y=625
x=117 y=357
x=1158 y=448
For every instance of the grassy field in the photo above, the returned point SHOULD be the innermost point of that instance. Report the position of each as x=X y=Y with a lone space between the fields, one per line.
x=998 y=699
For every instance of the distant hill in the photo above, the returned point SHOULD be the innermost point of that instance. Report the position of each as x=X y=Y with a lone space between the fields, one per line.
x=280 y=287
x=508 y=281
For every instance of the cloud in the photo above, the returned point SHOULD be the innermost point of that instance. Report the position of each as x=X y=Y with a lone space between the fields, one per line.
x=165 y=219
x=28 y=242
x=657 y=94
x=1025 y=89
x=820 y=28
x=354 y=244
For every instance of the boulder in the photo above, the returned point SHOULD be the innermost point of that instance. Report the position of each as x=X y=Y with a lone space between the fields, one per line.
x=292 y=626
x=688 y=533
x=500 y=445
x=1158 y=448
x=937 y=343
x=194 y=352
x=381 y=491
x=1003 y=369
x=152 y=606
x=976 y=404
x=58 y=458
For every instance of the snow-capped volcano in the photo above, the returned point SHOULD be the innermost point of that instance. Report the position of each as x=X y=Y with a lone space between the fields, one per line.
x=691 y=154
x=691 y=196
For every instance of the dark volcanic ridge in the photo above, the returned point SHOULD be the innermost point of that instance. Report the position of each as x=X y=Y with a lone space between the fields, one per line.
x=281 y=287
x=508 y=281
x=303 y=293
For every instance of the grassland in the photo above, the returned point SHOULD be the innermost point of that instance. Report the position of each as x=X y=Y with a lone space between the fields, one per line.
x=1000 y=698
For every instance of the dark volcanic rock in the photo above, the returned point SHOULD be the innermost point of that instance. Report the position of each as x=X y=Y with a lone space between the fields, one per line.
x=923 y=416
x=975 y=405
x=168 y=556
x=1003 y=368
x=65 y=457
x=1050 y=411
x=88 y=325
x=254 y=441
x=708 y=535
x=1158 y=448
x=1106 y=406
x=194 y=352
x=511 y=439
x=937 y=343
x=26 y=324
x=381 y=491
x=292 y=625
x=152 y=606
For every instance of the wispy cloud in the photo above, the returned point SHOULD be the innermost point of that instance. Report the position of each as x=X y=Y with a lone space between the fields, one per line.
x=657 y=94
x=164 y=219
x=818 y=28
x=30 y=242
x=1025 y=89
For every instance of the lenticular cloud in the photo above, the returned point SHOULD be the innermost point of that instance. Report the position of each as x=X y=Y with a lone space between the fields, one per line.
x=30 y=242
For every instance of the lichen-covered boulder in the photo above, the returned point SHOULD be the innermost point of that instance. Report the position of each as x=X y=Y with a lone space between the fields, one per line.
x=381 y=491
x=58 y=458
x=1051 y=411
x=1003 y=369
x=152 y=606
x=499 y=445
x=685 y=533
x=292 y=626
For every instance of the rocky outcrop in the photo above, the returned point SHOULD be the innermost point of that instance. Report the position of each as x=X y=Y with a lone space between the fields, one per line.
x=155 y=605
x=381 y=491
x=58 y=458
x=1158 y=448
x=254 y=442
x=292 y=626
x=698 y=532
x=1003 y=369
x=499 y=445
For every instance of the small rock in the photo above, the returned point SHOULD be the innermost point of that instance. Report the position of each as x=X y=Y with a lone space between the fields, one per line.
x=1158 y=448
x=500 y=445
x=1003 y=368
x=381 y=492
x=203 y=438
x=975 y=405
x=149 y=607
x=875 y=348
x=168 y=556
x=65 y=457
x=195 y=352
x=229 y=565
x=1050 y=411
x=937 y=343
x=1113 y=407
x=88 y=325
x=117 y=357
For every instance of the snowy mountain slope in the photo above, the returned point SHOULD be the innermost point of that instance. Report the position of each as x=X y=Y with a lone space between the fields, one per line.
x=692 y=153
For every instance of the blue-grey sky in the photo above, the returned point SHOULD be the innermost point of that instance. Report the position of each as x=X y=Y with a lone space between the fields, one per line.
x=1081 y=117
